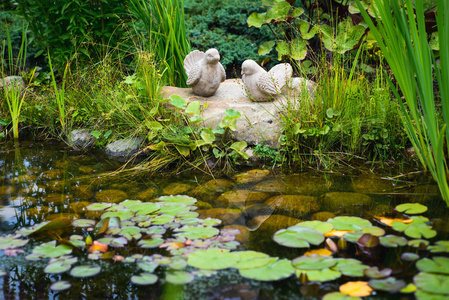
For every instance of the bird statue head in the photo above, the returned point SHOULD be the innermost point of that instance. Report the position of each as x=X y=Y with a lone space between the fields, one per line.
x=212 y=56
x=249 y=67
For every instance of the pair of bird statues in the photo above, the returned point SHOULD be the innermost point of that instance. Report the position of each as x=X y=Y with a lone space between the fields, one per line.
x=205 y=73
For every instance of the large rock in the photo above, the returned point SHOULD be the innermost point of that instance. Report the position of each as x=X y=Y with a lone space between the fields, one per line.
x=227 y=216
x=123 y=148
x=346 y=202
x=239 y=198
x=295 y=206
x=81 y=139
x=12 y=81
x=260 y=122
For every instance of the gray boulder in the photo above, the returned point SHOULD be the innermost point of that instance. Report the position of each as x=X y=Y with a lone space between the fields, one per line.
x=124 y=148
x=81 y=139
x=10 y=80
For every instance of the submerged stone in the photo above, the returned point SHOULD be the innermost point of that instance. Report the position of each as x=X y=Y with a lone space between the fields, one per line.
x=227 y=216
x=251 y=176
x=111 y=196
x=81 y=139
x=7 y=190
x=32 y=189
x=147 y=194
x=55 y=186
x=83 y=192
x=86 y=169
x=268 y=226
x=123 y=148
x=239 y=198
x=293 y=205
x=52 y=174
x=425 y=193
x=243 y=236
x=368 y=184
x=211 y=189
x=78 y=207
x=293 y=184
x=69 y=216
x=203 y=205
x=38 y=212
x=57 y=199
x=25 y=178
x=176 y=188
x=345 y=202
x=322 y=216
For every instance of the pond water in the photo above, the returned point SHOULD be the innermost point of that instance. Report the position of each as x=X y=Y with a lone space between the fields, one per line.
x=46 y=181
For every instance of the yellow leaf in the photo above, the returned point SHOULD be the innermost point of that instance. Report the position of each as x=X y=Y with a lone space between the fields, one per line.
x=172 y=246
x=389 y=221
x=356 y=289
x=338 y=233
x=97 y=246
x=322 y=251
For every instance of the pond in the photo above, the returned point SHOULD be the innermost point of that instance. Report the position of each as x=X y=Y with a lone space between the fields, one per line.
x=72 y=227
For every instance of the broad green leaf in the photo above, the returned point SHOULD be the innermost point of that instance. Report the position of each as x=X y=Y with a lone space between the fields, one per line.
x=144 y=208
x=150 y=243
x=123 y=214
x=60 y=285
x=256 y=19
x=313 y=262
x=11 y=242
x=50 y=250
x=181 y=199
x=339 y=296
x=278 y=12
x=411 y=208
x=85 y=271
x=98 y=206
x=349 y=223
x=439 y=264
x=252 y=259
x=57 y=267
x=306 y=31
x=193 y=107
x=353 y=270
x=322 y=275
x=266 y=47
x=283 y=49
x=319 y=226
x=432 y=283
x=389 y=284
x=178 y=101
x=298 y=237
x=207 y=135
x=83 y=223
x=197 y=232
x=213 y=259
x=298 y=48
x=276 y=270
x=392 y=241
x=155 y=126
x=144 y=279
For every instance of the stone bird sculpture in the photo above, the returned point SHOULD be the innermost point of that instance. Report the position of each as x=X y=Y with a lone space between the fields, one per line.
x=261 y=85
x=204 y=72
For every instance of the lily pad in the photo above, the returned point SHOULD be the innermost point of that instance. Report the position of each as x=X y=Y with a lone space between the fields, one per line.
x=353 y=270
x=83 y=223
x=150 y=243
x=144 y=208
x=339 y=296
x=252 y=259
x=50 y=250
x=438 y=264
x=11 y=242
x=298 y=237
x=432 y=283
x=173 y=209
x=187 y=215
x=319 y=275
x=85 y=271
x=197 y=232
x=389 y=284
x=179 y=277
x=375 y=273
x=123 y=214
x=178 y=263
x=156 y=230
x=276 y=270
x=213 y=259
x=322 y=227
x=422 y=295
x=98 y=206
x=178 y=199
x=161 y=220
x=392 y=241
x=210 y=222
x=57 y=267
x=408 y=256
x=349 y=223
x=148 y=266
x=313 y=262
x=127 y=203
x=60 y=285
x=144 y=279
x=417 y=229
x=418 y=243
x=411 y=208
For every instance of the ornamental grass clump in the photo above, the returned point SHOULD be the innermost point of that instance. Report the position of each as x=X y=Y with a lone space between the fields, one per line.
x=401 y=35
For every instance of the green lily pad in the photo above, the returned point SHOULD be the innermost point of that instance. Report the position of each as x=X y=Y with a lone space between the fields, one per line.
x=339 y=296
x=144 y=279
x=353 y=237
x=98 y=206
x=322 y=275
x=252 y=259
x=345 y=261
x=173 y=209
x=411 y=208
x=440 y=246
x=409 y=288
x=83 y=223
x=144 y=208
x=375 y=273
x=422 y=295
x=319 y=226
x=178 y=263
x=85 y=271
x=392 y=241
x=373 y=230
x=349 y=223
x=190 y=221
x=127 y=203
x=211 y=222
x=147 y=266
x=123 y=214
x=417 y=229
x=150 y=243
x=408 y=256
x=313 y=262
x=213 y=259
x=60 y=285
x=187 y=215
x=439 y=264
x=11 y=242
x=57 y=267
x=179 y=277
x=139 y=219
x=432 y=283
x=353 y=270
x=156 y=230
x=118 y=242
x=178 y=199
x=161 y=220
x=418 y=243
x=276 y=270
x=49 y=250
x=197 y=232
x=389 y=284
x=298 y=237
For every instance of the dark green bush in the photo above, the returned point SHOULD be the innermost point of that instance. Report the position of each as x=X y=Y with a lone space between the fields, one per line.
x=77 y=29
x=221 y=24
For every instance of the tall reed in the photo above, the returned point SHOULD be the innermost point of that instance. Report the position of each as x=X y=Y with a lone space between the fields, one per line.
x=59 y=93
x=13 y=91
x=402 y=37
x=164 y=24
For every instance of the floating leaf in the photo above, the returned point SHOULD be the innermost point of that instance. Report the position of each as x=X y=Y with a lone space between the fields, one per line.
x=58 y=223
x=319 y=226
x=144 y=279
x=392 y=241
x=353 y=237
x=179 y=277
x=57 y=267
x=123 y=214
x=409 y=288
x=408 y=256
x=421 y=295
x=439 y=264
x=60 y=285
x=353 y=270
x=150 y=243
x=356 y=289
x=50 y=250
x=418 y=243
x=411 y=208
x=319 y=275
x=389 y=284
x=173 y=209
x=83 y=223
x=276 y=270
x=432 y=283
x=390 y=221
x=178 y=263
x=339 y=296
x=211 y=222
x=160 y=220
x=322 y=251
x=252 y=259
x=314 y=262
x=197 y=232
x=183 y=199
x=144 y=208
x=148 y=266
x=298 y=237
x=85 y=271
x=416 y=229
x=213 y=259
x=98 y=206
x=373 y=272
x=11 y=242
x=349 y=223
